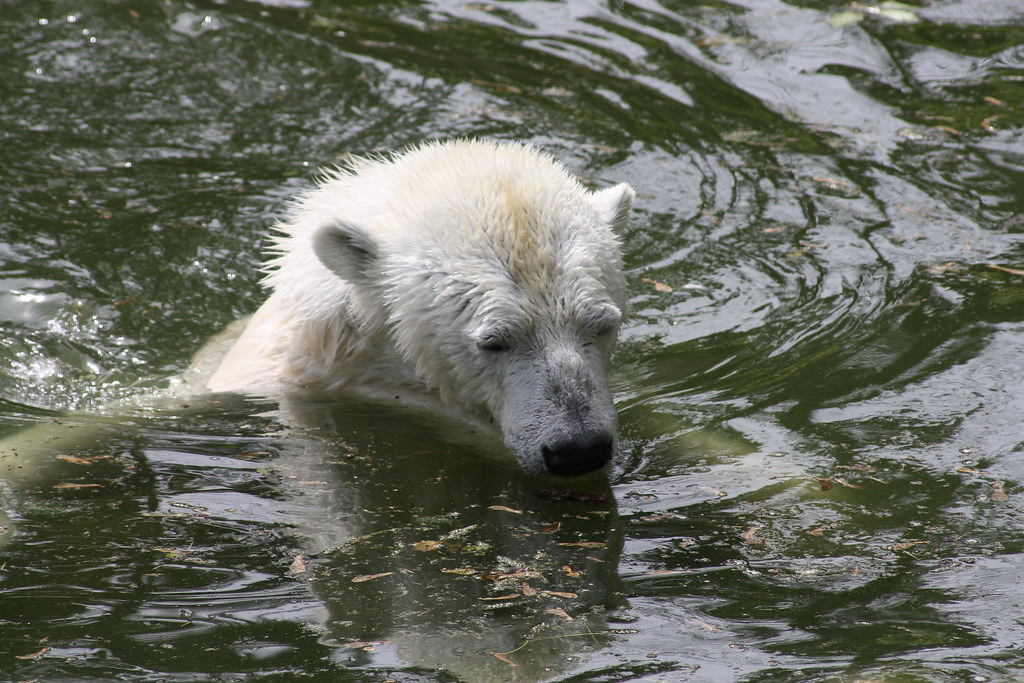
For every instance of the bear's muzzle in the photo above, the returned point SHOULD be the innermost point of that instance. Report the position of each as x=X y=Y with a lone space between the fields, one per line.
x=586 y=452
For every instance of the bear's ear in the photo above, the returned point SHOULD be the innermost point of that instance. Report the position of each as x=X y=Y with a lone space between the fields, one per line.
x=347 y=250
x=614 y=204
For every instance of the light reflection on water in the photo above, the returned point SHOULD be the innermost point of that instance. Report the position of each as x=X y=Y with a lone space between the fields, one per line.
x=819 y=386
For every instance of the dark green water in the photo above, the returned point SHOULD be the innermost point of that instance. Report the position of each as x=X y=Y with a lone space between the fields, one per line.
x=821 y=398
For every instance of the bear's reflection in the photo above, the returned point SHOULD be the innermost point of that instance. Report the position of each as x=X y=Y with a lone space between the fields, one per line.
x=429 y=546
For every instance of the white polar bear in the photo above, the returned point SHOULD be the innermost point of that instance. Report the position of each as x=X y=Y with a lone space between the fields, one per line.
x=474 y=276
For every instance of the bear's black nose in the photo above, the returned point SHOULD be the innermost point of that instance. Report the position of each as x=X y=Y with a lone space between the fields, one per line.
x=579 y=454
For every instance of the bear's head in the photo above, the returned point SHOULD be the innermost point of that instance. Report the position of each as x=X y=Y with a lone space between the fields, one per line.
x=498 y=279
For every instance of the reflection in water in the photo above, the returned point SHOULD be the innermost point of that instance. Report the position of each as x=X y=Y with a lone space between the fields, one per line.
x=437 y=557
x=819 y=384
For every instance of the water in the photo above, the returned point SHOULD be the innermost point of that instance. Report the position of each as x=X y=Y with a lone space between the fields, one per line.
x=820 y=384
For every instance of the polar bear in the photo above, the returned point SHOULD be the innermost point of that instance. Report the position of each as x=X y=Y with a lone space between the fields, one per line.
x=475 y=277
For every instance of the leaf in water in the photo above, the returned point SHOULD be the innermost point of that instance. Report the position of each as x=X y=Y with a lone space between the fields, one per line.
x=941 y=268
x=1011 y=271
x=661 y=516
x=847 y=484
x=561 y=594
x=461 y=571
x=987 y=124
x=703 y=624
x=509 y=596
x=364 y=645
x=749 y=535
x=521 y=574
x=370 y=577
x=69 y=485
x=504 y=659
x=859 y=468
x=67 y=457
x=904 y=546
x=658 y=286
x=584 y=544
x=569 y=571
x=426 y=546
x=560 y=612
x=249 y=456
x=504 y=508
x=34 y=655
x=188 y=506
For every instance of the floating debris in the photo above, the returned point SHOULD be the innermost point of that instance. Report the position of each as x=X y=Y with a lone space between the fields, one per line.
x=504 y=508
x=658 y=286
x=370 y=577
x=426 y=546
x=504 y=659
x=560 y=612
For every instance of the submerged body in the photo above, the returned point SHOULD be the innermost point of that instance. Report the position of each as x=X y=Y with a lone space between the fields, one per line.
x=476 y=277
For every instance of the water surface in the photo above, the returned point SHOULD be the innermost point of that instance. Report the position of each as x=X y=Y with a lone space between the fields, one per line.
x=820 y=386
